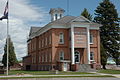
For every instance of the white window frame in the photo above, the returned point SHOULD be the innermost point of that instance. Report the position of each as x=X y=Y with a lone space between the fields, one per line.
x=46 y=41
x=91 y=38
x=61 y=55
x=42 y=42
x=50 y=57
x=61 y=38
x=50 y=41
x=42 y=57
x=46 y=59
x=39 y=43
x=92 y=55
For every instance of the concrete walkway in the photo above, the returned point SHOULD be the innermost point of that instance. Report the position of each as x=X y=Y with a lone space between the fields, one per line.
x=115 y=75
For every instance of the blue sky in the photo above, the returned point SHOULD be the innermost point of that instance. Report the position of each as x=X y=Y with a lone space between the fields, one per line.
x=76 y=6
x=27 y=13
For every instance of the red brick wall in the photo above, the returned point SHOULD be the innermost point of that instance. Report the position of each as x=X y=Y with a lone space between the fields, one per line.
x=95 y=47
x=36 y=50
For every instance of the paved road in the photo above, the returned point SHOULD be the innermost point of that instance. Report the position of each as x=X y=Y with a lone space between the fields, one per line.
x=86 y=78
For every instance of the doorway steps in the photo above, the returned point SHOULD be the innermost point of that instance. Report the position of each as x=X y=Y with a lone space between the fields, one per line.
x=86 y=68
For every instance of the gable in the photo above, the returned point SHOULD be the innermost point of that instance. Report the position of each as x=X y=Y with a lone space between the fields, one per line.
x=81 y=19
x=33 y=30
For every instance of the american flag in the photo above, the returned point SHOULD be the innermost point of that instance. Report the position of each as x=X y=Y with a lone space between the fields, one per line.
x=5 y=16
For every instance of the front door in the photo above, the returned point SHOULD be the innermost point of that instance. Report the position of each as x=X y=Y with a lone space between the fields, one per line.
x=65 y=66
x=77 y=57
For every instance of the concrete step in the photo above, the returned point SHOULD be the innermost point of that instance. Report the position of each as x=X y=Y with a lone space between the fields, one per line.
x=85 y=68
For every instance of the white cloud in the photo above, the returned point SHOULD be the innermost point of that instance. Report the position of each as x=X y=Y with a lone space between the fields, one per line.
x=21 y=14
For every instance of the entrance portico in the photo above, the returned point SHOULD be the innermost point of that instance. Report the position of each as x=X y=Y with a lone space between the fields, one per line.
x=80 y=39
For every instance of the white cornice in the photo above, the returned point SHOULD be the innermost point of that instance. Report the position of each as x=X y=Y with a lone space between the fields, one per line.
x=51 y=25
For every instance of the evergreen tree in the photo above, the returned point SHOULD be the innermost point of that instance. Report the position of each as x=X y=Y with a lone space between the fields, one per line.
x=86 y=14
x=103 y=56
x=107 y=15
x=12 y=55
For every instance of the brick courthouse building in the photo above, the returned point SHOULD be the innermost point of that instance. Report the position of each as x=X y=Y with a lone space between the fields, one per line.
x=63 y=44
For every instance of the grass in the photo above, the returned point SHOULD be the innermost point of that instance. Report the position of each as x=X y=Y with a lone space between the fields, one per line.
x=55 y=77
x=109 y=71
x=14 y=72
x=60 y=75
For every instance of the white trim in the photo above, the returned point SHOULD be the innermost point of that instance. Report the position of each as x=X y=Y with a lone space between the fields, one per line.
x=46 y=58
x=46 y=41
x=88 y=44
x=61 y=37
x=42 y=57
x=50 y=57
x=72 y=45
x=81 y=18
x=61 y=54
x=50 y=26
x=91 y=38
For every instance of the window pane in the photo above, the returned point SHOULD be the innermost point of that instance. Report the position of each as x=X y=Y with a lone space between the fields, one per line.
x=55 y=16
x=91 y=38
x=77 y=56
x=61 y=54
x=91 y=56
x=61 y=38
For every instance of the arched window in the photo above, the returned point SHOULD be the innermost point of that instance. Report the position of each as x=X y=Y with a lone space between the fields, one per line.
x=91 y=56
x=60 y=15
x=56 y=16
x=61 y=38
x=61 y=55
x=77 y=57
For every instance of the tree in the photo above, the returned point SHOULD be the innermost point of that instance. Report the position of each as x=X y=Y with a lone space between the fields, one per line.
x=12 y=55
x=86 y=14
x=107 y=15
x=103 y=56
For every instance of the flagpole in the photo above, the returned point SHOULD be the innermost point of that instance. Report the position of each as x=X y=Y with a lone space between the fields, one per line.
x=7 y=42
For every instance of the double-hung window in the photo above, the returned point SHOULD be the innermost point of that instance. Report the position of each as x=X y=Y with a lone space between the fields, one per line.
x=61 y=55
x=91 y=39
x=61 y=38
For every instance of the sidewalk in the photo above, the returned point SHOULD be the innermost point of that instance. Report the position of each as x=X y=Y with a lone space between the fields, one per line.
x=27 y=75
x=115 y=75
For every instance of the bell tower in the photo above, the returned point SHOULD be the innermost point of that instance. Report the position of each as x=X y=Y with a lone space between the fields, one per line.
x=56 y=13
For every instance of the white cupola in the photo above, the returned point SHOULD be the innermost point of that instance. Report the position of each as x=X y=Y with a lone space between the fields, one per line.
x=56 y=13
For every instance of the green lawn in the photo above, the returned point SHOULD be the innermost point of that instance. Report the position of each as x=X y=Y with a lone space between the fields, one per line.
x=21 y=72
x=109 y=71
x=14 y=72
